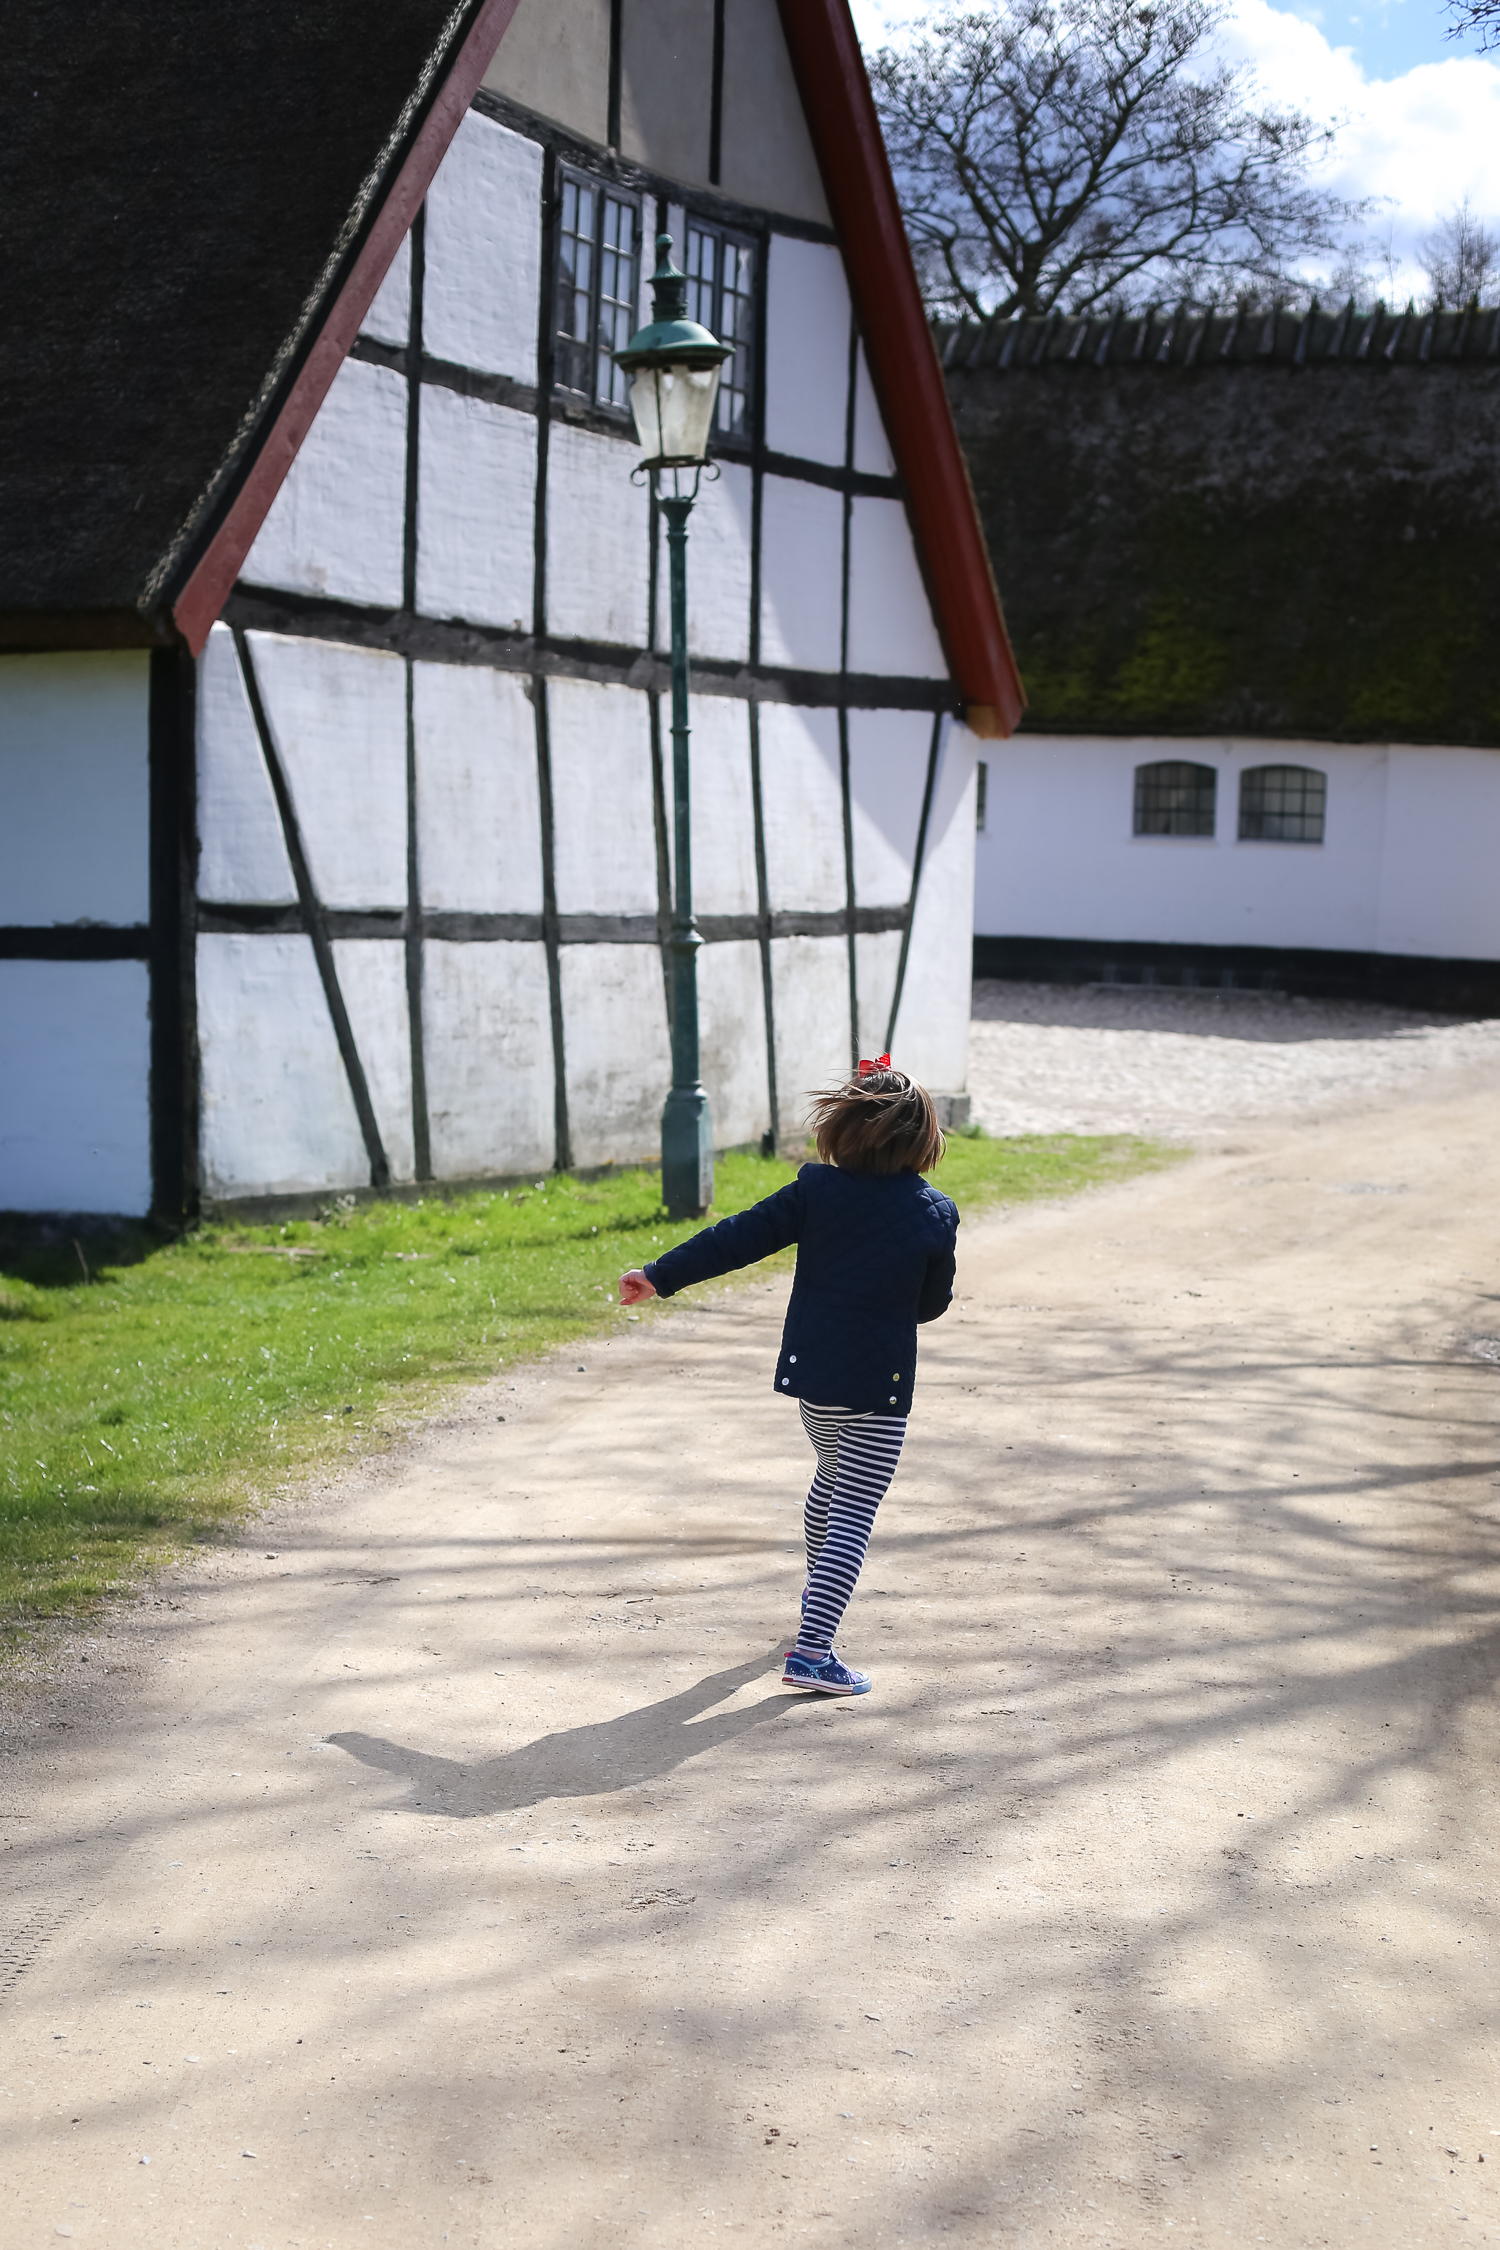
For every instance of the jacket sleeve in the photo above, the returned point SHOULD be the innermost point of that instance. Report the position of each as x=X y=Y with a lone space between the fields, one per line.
x=738 y=1241
x=937 y=1283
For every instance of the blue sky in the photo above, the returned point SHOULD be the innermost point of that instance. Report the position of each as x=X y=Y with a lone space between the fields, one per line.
x=1419 y=113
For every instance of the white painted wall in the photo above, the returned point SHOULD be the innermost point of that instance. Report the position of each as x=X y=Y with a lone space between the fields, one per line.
x=372 y=979
x=337 y=525
x=810 y=993
x=872 y=452
x=603 y=814
x=598 y=539
x=389 y=317
x=718 y=570
x=74 y=788
x=476 y=511
x=242 y=849
x=721 y=803
x=1439 y=893
x=338 y=719
x=277 y=1114
x=75 y=1122
x=488 y=1047
x=479 y=835
x=877 y=958
x=807 y=349
x=932 y=1028
x=890 y=617
x=484 y=251
x=1058 y=859
x=802 y=811
x=619 y=1063
x=801 y=575
x=888 y=752
x=732 y=1041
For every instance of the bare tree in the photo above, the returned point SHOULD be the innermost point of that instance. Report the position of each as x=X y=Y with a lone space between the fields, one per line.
x=1460 y=258
x=1479 y=17
x=1090 y=153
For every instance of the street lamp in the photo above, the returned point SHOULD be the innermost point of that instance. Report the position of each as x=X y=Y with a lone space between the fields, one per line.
x=674 y=369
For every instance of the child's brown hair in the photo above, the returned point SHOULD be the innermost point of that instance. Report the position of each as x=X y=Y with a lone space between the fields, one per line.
x=880 y=1121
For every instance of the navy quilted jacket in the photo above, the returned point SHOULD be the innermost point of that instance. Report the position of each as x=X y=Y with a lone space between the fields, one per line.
x=874 y=1258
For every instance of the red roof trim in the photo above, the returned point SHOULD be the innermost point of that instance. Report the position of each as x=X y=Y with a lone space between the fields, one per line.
x=206 y=590
x=862 y=197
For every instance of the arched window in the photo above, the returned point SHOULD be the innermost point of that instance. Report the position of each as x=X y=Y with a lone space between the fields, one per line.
x=1282 y=805
x=1174 y=798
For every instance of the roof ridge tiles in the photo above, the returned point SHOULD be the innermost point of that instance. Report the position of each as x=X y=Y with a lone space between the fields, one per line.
x=1187 y=340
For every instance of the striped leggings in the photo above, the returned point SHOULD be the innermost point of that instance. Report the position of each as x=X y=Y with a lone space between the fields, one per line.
x=857 y=1456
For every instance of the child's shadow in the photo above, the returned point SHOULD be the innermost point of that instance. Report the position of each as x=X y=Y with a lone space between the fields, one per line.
x=581 y=1761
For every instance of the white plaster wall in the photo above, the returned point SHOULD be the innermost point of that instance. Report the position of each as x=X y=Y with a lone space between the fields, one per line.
x=603 y=815
x=932 y=1029
x=484 y=251
x=479 y=833
x=801 y=575
x=802 y=810
x=278 y=1116
x=810 y=996
x=476 y=510
x=888 y=753
x=872 y=452
x=1439 y=892
x=598 y=539
x=890 y=617
x=1058 y=859
x=389 y=316
x=242 y=850
x=75 y=1117
x=718 y=570
x=372 y=979
x=487 y=1048
x=337 y=525
x=877 y=957
x=732 y=1041
x=722 y=806
x=74 y=788
x=807 y=349
x=619 y=1063
x=338 y=719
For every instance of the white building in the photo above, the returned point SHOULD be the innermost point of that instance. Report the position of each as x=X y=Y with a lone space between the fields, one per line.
x=1250 y=570
x=331 y=730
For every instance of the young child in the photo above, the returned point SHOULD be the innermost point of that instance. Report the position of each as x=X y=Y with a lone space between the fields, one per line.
x=874 y=1258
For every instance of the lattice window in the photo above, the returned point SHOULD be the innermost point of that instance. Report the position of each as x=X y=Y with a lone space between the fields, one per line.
x=1282 y=805
x=598 y=265
x=721 y=294
x=1175 y=798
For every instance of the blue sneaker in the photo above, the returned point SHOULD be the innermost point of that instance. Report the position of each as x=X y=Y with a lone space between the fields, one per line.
x=826 y=1675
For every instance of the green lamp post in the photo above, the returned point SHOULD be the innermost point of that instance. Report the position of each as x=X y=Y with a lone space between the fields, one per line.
x=674 y=367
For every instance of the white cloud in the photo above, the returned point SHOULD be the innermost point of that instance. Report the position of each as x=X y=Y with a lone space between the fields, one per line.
x=1420 y=142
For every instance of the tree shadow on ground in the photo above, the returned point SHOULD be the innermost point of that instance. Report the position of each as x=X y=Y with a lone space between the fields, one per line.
x=587 y=1761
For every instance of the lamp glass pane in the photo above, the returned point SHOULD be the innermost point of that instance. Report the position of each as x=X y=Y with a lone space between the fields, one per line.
x=674 y=409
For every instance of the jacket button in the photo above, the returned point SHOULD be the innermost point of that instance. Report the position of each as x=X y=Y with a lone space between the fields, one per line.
x=785 y=1380
x=791 y=1359
x=893 y=1398
x=897 y=1376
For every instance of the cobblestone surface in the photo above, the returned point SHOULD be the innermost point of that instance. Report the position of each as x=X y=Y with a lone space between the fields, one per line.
x=1128 y=1059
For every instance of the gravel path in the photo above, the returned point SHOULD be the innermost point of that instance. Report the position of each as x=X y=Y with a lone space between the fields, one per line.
x=1100 y=1059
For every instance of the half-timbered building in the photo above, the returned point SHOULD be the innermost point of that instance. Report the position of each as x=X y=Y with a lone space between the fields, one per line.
x=334 y=851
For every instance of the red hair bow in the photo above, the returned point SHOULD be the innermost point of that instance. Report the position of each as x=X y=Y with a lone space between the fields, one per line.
x=882 y=1062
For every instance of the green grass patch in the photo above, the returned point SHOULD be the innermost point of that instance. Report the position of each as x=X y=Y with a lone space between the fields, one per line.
x=157 y=1400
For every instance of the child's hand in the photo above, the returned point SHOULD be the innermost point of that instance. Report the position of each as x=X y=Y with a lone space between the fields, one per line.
x=635 y=1288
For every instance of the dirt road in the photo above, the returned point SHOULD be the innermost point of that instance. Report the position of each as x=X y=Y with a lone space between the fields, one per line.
x=445 y=1865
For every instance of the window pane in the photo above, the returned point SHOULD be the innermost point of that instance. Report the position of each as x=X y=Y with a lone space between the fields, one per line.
x=575 y=278
x=701 y=265
x=1174 y=798
x=617 y=297
x=1282 y=805
x=736 y=307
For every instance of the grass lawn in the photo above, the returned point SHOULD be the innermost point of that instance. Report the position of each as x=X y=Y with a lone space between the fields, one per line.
x=159 y=1398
